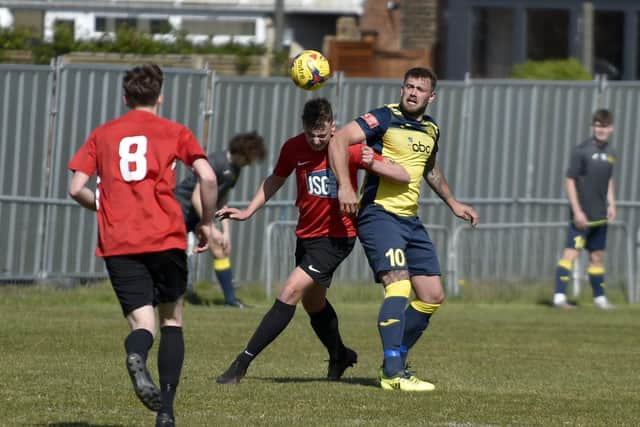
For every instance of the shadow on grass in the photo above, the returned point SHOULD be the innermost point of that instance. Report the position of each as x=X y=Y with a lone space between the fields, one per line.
x=549 y=302
x=76 y=424
x=195 y=299
x=364 y=381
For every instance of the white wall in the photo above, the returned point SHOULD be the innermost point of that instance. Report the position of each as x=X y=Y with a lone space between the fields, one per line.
x=6 y=18
x=84 y=24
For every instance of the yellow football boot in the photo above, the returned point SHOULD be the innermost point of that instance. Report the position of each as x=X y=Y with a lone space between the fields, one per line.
x=404 y=382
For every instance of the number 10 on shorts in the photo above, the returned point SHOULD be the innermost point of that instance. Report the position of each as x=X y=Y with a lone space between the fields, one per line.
x=396 y=257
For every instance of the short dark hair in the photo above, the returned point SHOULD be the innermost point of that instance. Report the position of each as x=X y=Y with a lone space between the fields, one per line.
x=249 y=145
x=142 y=85
x=603 y=116
x=422 y=73
x=316 y=113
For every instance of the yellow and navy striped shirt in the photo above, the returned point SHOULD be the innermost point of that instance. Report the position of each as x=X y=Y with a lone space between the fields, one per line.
x=405 y=141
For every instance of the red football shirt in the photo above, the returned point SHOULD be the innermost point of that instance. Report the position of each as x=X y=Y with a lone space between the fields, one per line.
x=317 y=200
x=135 y=157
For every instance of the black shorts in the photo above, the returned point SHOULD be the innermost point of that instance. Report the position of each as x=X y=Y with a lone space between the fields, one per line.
x=148 y=279
x=319 y=257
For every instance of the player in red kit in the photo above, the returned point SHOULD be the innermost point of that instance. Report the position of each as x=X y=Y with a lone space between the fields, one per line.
x=325 y=237
x=140 y=226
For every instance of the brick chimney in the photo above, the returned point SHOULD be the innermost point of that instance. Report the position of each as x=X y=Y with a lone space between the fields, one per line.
x=419 y=23
x=401 y=24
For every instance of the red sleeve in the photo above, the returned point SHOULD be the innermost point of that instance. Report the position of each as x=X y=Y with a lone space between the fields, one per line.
x=189 y=149
x=355 y=156
x=286 y=162
x=85 y=158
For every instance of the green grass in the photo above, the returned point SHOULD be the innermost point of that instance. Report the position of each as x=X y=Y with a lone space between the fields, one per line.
x=521 y=364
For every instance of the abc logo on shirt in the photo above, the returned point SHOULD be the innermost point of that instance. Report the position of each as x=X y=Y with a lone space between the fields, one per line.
x=322 y=183
x=419 y=147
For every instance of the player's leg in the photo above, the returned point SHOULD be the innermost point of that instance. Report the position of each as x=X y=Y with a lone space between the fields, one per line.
x=391 y=322
x=387 y=257
x=191 y=220
x=385 y=252
x=272 y=324
x=424 y=269
x=224 y=274
x=575 y=242
x=596 y=244
x=137 y=346
x=391 y=319
x=596 y=272
x=429 y=297
x=170 y=358
x=169 y=269
x=133 y=285
x=324 y=322
x=191 y=243
x=319 y=258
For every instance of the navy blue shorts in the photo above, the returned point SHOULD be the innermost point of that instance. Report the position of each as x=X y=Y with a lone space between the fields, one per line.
x=319 y=257
x=148 y=279
x=592 y=238
x=392 y=242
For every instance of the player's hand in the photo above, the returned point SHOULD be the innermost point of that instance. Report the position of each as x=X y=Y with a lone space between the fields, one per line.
x=580 y=220
x=233 y=213
x=367 y=155
x=347 y=199
x=203 y=233
x=465 y=212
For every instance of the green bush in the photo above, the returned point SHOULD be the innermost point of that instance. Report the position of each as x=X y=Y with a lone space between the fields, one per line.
x=554 y=69
x=280 y=63
x=125 y=41
x=15 y=39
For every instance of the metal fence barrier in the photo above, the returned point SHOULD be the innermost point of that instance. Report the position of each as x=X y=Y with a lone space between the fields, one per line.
x=504 y=146
x=489 y=253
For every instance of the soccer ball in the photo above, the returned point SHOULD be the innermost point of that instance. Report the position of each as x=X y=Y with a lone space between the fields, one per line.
x=310 y=70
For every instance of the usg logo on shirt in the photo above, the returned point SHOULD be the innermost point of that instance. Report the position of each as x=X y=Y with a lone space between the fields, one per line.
x=322 y=183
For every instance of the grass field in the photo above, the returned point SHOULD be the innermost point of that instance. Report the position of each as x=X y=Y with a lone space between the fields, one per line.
x=516 y=364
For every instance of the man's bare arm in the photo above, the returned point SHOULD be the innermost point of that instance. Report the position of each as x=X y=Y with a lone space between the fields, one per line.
x=438 y=183
x=339 y=162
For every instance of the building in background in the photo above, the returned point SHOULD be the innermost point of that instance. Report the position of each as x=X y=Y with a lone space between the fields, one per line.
x=485 y=38
x=378 y=38
x=393 y=35
x=304 y=22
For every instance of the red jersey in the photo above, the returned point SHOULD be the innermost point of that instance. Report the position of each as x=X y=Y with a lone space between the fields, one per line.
x=134 y=157
x=317 y=200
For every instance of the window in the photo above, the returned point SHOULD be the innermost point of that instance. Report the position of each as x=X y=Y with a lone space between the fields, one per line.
x=126 y=23
x=608 y=44
x=219 y=27
x=101 y=24
x=159 y=26
x=547 y=34
x=492 y=42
